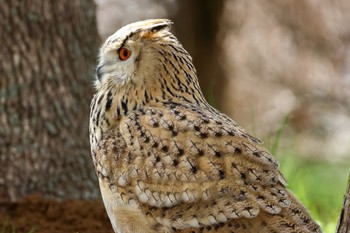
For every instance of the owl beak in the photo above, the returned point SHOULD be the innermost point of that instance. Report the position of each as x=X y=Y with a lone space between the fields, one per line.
x=99 y=73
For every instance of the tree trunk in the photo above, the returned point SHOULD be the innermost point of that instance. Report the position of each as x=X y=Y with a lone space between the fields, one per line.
x=197 y=24
x=48 y=53
x=344 y=219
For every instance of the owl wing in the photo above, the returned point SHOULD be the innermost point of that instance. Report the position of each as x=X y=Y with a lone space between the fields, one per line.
x=179 y=160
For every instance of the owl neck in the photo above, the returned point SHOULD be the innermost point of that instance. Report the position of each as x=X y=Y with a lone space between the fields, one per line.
x=111 y=104
x=119 y=101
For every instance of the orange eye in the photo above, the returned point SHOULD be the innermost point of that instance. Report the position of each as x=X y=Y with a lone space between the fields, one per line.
x=124 y=54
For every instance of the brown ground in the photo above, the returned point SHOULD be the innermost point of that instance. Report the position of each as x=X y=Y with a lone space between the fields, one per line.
x=37 y=215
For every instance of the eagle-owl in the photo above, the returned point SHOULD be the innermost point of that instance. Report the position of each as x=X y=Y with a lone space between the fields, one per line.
x=166 y=160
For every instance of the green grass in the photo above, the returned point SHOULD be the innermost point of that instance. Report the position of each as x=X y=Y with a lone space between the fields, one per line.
x=319 y=185
x=8 y=227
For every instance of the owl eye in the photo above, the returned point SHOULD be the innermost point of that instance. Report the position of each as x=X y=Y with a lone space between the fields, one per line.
x=124 y=54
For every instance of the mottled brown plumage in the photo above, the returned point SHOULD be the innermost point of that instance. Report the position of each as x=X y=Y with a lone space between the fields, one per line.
x=169 y=162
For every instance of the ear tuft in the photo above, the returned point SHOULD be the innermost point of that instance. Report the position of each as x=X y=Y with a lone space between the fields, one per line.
x=162 y=26
x=151 y=27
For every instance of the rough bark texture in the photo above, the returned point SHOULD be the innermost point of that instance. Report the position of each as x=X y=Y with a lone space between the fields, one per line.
x=344 y=219
x=48 y=52
x=197 y=25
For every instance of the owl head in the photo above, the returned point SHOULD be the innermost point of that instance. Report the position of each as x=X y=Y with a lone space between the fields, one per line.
x=146 y=56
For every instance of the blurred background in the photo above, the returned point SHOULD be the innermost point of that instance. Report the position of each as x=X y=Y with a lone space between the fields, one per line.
x=281 y=69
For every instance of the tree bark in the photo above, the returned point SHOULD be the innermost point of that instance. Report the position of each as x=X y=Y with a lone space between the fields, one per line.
x=48 y=53
x=197 y=24
x=344 y=219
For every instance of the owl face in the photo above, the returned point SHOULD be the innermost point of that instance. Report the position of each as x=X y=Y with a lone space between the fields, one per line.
x=127 y=55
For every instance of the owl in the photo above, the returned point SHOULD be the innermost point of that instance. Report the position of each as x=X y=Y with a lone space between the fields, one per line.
x=169 y=162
